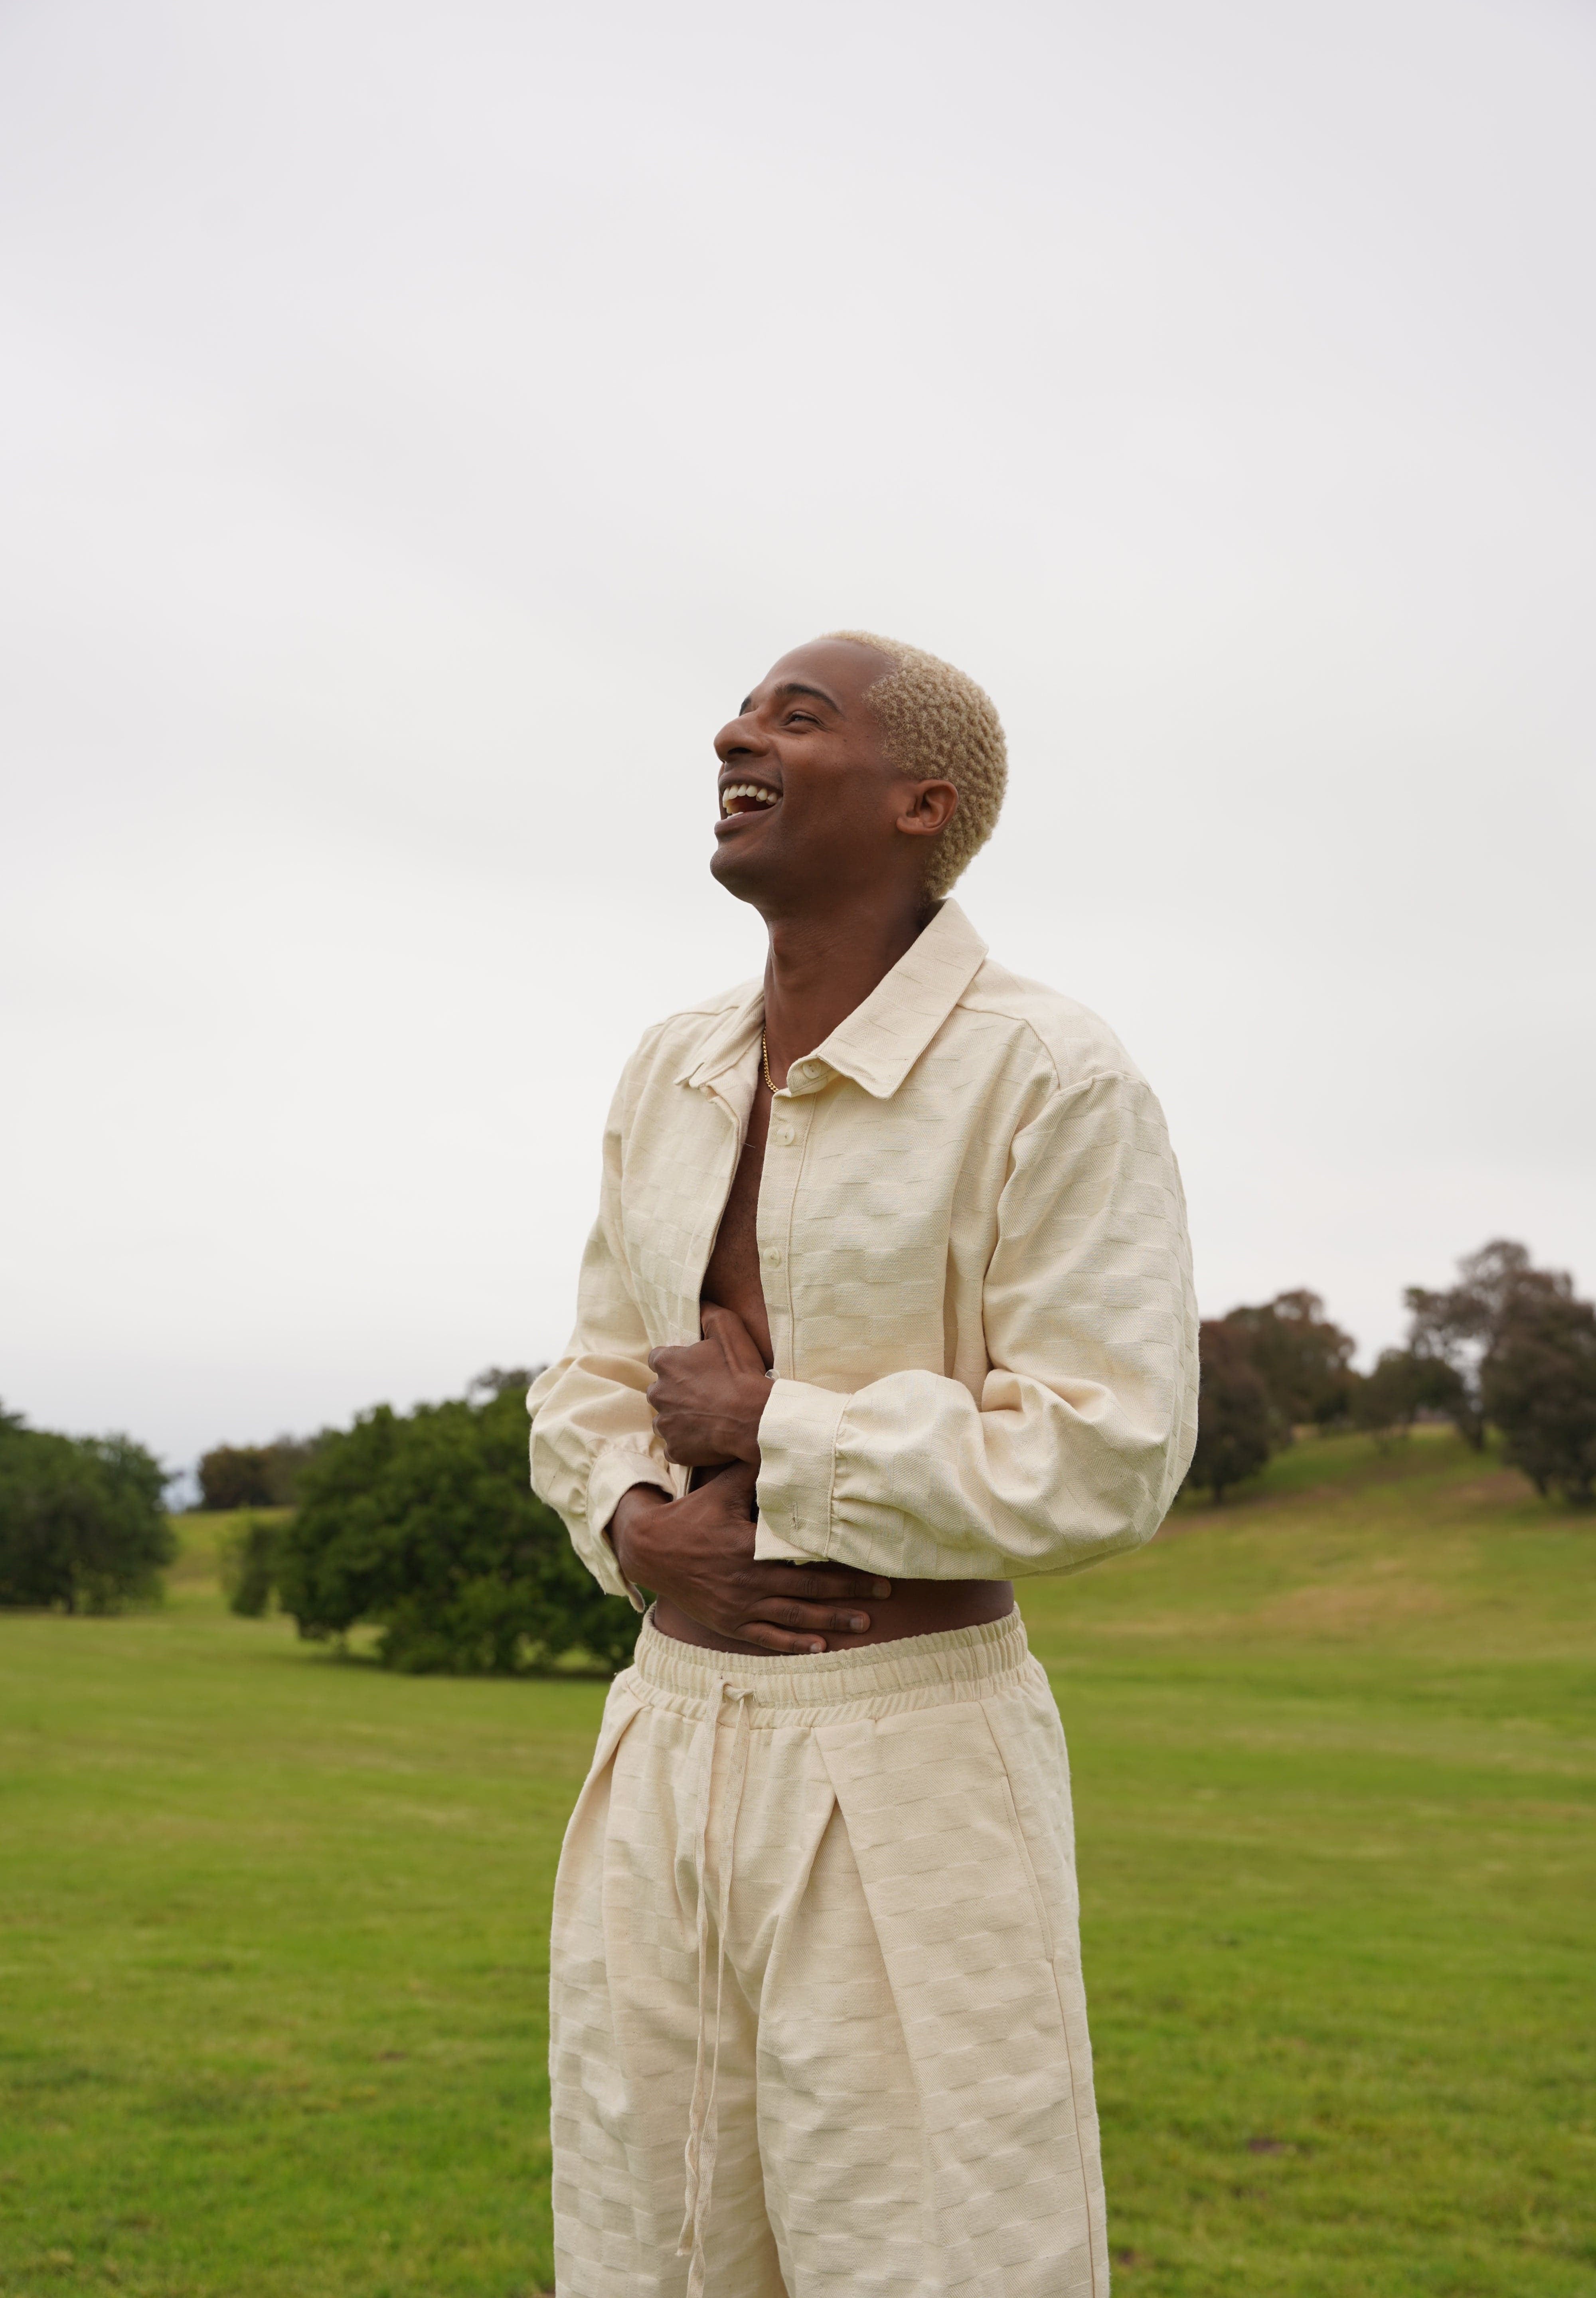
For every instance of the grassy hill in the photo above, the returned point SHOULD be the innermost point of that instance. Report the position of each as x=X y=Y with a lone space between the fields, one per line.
x=272 y=1960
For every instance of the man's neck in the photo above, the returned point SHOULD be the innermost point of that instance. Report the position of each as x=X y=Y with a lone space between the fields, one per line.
x=820 y=969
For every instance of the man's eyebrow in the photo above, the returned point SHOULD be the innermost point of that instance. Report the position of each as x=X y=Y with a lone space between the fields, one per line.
x=796 y=686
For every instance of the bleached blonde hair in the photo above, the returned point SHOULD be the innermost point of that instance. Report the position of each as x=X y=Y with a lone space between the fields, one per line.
x=941 y=726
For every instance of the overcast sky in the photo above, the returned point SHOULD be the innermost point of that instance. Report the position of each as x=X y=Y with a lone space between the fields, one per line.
x=421 y=424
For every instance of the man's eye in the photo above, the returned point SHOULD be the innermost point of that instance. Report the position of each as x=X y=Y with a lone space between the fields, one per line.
x=802 y=718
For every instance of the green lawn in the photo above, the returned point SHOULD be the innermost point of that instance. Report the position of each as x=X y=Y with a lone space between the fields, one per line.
x=272 y=1958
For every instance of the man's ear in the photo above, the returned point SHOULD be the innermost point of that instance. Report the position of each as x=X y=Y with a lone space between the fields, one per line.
x=930 y=809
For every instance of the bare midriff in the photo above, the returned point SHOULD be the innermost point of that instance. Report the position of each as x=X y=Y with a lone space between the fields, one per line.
x=915 y=1607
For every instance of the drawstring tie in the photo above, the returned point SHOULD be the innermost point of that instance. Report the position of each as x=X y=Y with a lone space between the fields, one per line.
x=702 y=2125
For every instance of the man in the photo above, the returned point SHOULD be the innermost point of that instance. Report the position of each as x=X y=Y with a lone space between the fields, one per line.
x=888 y=1300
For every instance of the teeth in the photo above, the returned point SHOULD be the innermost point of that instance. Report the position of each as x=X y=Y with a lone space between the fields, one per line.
x=755 y=790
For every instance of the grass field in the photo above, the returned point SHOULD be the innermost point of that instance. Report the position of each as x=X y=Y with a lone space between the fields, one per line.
x=272 y=1957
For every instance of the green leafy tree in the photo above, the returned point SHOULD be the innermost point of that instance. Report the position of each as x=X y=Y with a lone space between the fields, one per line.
x=1538 y=1385
x=82 y=1527
x=1302 y=1359
x=424 y=1525
x=1234 y=1418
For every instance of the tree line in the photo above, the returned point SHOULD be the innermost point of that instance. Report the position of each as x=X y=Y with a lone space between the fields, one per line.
x=1509 y=1346
x=423 y=1527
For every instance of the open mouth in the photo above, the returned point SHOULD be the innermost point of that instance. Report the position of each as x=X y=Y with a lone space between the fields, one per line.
x=748 y=797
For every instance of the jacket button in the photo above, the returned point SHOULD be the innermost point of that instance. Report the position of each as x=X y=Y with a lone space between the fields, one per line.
x=773 y=1256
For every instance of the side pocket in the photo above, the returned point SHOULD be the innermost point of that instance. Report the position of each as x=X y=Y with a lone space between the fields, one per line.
x=621 y=1710
x=1023 y=1845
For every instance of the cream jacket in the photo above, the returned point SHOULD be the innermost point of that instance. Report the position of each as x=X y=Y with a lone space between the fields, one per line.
x=972 y=1244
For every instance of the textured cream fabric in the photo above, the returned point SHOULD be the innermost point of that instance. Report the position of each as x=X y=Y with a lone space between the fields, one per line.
x=902 y=2092
x=972 y=1246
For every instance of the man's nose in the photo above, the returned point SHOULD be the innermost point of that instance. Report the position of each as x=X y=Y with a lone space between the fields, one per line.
x=740 y=738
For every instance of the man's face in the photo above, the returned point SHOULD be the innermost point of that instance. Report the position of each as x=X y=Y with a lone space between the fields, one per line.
x=811 y=809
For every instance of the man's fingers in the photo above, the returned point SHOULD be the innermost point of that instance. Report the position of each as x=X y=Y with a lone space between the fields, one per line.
x=725 y=1325
x=812 y=1619
x=830 y=1587
x=778 y=1639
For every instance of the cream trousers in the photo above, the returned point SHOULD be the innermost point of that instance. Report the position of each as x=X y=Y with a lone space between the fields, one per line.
x=818 y=2025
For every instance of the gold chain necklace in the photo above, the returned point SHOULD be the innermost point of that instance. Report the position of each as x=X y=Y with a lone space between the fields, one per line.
x=764 y=1061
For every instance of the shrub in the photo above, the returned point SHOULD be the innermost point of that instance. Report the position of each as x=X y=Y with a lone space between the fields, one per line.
x=424 y=1526
x=81 y=1522
x=1235 y=1416
x=250 y=1564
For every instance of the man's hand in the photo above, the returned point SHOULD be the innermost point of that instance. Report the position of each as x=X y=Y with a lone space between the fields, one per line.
x=697 y=1553
x=707 y=1398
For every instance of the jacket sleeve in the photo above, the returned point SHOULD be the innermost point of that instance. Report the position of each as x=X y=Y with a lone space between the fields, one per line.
x=1086 y=1420
x=593 y=1432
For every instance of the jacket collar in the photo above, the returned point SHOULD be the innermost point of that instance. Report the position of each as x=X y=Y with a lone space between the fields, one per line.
x=880 y=1041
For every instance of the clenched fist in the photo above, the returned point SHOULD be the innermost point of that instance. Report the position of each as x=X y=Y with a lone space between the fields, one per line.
x=708 y=1397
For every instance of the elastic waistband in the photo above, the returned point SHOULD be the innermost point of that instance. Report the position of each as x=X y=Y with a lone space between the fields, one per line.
x=968 y=1661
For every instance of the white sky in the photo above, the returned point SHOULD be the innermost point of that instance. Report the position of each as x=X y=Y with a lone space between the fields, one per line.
x=420 y=423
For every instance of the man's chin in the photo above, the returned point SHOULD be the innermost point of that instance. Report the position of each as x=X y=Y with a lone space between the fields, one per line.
x=745 y=875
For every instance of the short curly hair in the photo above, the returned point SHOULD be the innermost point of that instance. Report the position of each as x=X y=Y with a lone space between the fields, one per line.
x=940 y=726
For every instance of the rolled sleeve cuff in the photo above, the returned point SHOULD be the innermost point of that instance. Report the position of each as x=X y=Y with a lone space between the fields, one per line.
x=617 y=1469
x=797 y=1452
x=770 y=1547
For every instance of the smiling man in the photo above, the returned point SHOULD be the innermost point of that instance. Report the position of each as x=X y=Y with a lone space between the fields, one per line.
x=889 y=1301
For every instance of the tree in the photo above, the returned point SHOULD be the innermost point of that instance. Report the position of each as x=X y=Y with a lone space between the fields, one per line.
x=82 y=1521
x=1401 y=1385
x=424 y=1525
x=1234 y=1414
x=1388 y=1397
x=1538 y=1385
x=1304 y=1360
x=1453 y=1332
x=498 y=1379
x=255 y=1475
